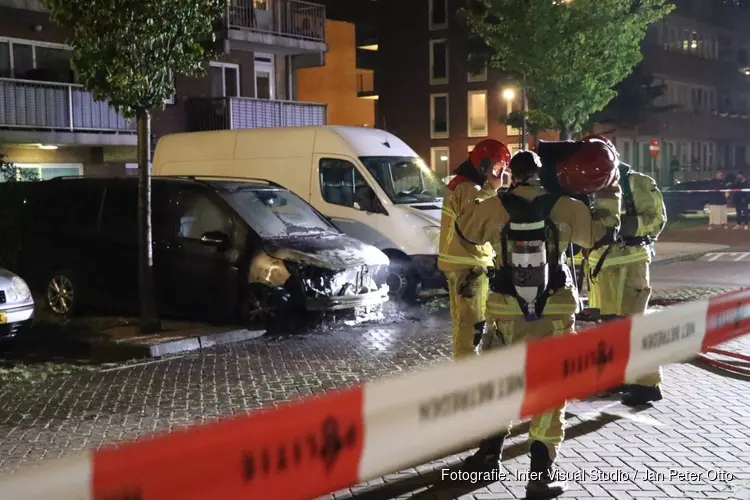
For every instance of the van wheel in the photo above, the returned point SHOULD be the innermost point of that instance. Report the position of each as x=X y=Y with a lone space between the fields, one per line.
x=257 y=308
x=402 y=283
x=62 y=295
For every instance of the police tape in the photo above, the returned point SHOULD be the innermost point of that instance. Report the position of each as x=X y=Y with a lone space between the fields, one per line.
x=312 y=447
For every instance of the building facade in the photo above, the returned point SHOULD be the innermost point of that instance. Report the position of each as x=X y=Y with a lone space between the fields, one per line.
x=340 y=83
x=429 y=96
x=431 y=99
x=700 y=53
x=50 y=124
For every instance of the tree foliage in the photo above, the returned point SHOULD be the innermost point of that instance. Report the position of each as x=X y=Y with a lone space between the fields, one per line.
x=125 y=50
x=11 y=173
x=568 y=54
x=636 y=100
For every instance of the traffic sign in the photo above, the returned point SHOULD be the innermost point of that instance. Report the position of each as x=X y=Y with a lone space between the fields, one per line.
x=654 y=148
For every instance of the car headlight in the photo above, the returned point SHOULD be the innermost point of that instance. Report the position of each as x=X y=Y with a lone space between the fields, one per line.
x=433 y=233
x=21 y=288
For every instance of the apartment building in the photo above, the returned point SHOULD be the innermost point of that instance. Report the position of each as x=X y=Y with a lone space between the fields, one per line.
x=430 y=97
x=345 y=86
x=701 y=53
x=50 y=124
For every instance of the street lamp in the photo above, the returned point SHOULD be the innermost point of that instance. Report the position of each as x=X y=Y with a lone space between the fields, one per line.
x=509 y=94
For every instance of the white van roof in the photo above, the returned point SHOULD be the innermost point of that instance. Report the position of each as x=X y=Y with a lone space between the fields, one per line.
x=228 y=144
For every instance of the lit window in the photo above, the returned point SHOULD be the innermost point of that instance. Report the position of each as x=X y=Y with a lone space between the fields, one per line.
x=440 y=161
x=439 y=116
x=438 y=14
x=438 y=62
x=477 y=105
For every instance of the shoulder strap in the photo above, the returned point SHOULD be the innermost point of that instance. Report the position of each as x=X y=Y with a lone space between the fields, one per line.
x=627 y=192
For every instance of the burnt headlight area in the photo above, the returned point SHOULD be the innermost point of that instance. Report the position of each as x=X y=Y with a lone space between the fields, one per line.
x=317 y=282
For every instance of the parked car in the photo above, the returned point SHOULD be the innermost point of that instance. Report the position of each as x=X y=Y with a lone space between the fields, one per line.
x=16 y=304
x=371 y=184
x=221 y=249
x=678 y=201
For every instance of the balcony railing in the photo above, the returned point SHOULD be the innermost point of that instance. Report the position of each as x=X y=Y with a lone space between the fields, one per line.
x=26 y=104
x=226 y=113
x=292 y=18
x=366 y=84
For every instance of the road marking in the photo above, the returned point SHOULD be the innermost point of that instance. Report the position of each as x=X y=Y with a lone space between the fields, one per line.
x=725 y=256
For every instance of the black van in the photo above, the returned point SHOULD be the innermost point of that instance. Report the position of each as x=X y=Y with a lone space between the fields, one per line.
x=221 y=248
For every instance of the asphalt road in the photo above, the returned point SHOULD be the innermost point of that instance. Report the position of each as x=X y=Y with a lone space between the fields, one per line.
x=720 y=269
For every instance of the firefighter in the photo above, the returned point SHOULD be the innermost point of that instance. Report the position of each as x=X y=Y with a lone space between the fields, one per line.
x=533 y=221
x=465 y=265
x=619 y=273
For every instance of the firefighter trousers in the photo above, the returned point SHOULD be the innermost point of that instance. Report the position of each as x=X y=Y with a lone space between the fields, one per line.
x=468 y=303
x=548 y=427
x=625 y=291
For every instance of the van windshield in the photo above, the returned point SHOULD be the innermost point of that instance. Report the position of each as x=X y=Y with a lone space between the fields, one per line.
x=405 y=179
x=276 y=213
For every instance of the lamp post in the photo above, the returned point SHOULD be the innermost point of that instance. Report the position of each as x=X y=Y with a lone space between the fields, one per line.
x=509 y=94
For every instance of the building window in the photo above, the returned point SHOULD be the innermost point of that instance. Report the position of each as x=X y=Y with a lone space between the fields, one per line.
x=626 y=152
x=480 y=76
x=225 y=79
x=440 y=162
x=264 y=76
x=477 y=105
x=32 y=60
x=439 y=116
x=47 y=171
x=438 y=62
x=438 y=14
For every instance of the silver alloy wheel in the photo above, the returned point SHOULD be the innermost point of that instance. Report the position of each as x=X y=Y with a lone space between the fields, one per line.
x=60 y=294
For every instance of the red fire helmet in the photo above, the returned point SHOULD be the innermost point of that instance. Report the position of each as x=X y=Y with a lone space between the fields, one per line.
x=591 y=168
x=490 y=154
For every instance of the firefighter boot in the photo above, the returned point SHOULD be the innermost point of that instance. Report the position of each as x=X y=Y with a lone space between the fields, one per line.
x=544 y=482
x=638 y=395
x=487 y=457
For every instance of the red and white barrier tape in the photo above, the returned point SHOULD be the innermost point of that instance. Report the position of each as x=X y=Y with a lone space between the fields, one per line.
x=305 y=449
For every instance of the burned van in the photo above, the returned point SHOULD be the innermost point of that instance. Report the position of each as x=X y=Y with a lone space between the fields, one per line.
x=222 y=248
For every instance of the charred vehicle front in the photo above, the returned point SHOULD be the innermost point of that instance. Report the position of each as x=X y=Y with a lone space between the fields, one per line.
x=222 y=249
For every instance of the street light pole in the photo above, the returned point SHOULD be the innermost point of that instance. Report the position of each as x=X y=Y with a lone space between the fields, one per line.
x=523 y=112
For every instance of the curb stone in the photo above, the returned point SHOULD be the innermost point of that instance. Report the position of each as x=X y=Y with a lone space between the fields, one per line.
x=102 y=350
x=680 y=258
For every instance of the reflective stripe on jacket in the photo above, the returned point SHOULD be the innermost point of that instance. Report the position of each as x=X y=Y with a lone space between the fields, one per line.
x=455 y=253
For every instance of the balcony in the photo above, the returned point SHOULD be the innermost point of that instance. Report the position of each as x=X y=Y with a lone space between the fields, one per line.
x=226 y=113
x=366 y=86
x=290 y=27
x=59 y=113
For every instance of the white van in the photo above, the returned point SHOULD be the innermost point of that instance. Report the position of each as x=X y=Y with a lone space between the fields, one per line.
x=368 y=182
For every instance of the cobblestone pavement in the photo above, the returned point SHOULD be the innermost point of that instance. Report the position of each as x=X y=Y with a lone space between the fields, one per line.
x=703 y=425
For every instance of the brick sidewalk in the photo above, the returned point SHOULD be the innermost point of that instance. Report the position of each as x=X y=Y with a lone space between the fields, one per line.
x=51 y=418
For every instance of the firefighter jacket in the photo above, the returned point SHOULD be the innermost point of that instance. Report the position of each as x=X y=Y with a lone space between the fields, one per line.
x=456 y=254
x=643 y=218
x=576 y=223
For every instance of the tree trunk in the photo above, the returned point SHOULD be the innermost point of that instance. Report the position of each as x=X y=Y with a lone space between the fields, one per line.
x=149 y=321
x=565 y=133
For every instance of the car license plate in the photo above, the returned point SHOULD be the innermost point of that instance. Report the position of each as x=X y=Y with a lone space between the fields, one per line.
x=3 y=318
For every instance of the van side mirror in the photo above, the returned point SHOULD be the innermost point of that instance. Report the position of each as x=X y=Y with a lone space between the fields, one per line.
x=369 y=202
x=216 y=239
